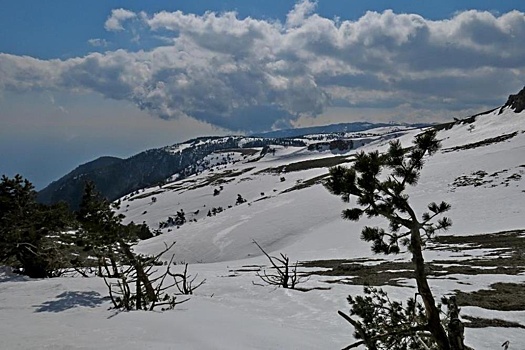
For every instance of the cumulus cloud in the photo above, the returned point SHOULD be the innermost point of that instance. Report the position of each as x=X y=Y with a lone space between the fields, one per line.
x=254 y=74
x=117 y=18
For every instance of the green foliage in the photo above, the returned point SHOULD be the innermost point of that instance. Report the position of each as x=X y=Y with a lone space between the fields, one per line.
x=142 y=231
x=387 y=324
x=100 y=226
x=17 y=206
x=378 y=181
x=32 y=235
x=101 y=230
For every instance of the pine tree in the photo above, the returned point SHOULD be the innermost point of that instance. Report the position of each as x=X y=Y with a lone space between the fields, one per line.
x=30 y=232
x=102 y=231
x=240 y=200
x=180 y=218
x=101 y=228
x=379 y=183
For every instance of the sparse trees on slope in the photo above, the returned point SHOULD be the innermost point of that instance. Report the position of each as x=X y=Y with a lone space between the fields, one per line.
x=379 y=182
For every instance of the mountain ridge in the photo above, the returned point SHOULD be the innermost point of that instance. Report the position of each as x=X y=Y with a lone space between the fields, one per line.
x=115 y=177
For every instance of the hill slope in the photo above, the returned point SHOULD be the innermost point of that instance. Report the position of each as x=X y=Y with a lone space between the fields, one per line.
x=481 y=162
x=480 y=171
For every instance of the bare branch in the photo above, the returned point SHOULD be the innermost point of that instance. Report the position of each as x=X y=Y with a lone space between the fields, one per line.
x=285 y=276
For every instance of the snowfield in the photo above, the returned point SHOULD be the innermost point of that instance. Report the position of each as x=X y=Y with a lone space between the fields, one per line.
x=480 y=171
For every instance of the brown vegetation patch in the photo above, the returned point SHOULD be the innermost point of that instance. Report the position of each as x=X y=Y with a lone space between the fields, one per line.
x=307 y=183
x=220 y=178
x=513 y=240
x=327 y=162
x=509 y=261
x=478 y=322
x=500 y=296
x=373 y=275
x=481 y=143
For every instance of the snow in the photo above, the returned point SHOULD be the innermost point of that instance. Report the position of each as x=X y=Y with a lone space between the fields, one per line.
x=229 y=311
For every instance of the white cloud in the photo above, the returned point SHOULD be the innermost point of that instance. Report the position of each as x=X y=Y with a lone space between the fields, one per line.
x=252 y=74
x=300 y=12
x=117 y=18
x=97 y=42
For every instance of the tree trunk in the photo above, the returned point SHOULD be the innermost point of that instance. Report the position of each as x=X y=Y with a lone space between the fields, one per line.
x=114 y=266
x=141 y=274
x=286 y=274
x=432 y=312
x=138 y=291
x=100 y=266
x=455 y=326
x=103 y=263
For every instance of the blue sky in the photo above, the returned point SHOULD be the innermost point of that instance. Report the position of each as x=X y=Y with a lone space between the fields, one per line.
x=32 y=27
x=82 y=79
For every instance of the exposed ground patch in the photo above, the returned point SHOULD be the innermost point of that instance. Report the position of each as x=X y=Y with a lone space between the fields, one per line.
x=481 y=143
x=355 y=272
x=220 y=178
x=478 y=322
x=307 y=183
x=309 y=164
x=513 y=240
x=144 y=195
x=500 y=296
x=505 y=257
x=481 y=178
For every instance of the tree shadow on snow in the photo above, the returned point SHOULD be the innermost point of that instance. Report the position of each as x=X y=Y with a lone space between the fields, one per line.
x=69 y=300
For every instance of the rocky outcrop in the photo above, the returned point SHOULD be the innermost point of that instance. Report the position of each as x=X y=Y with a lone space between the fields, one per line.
x=516 y=102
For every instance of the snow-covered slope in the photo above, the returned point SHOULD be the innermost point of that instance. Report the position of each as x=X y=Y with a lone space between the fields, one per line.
x=287 y=204
x=480 y=171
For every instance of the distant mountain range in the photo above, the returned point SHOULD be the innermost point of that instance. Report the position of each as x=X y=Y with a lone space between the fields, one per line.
x=116 y=177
